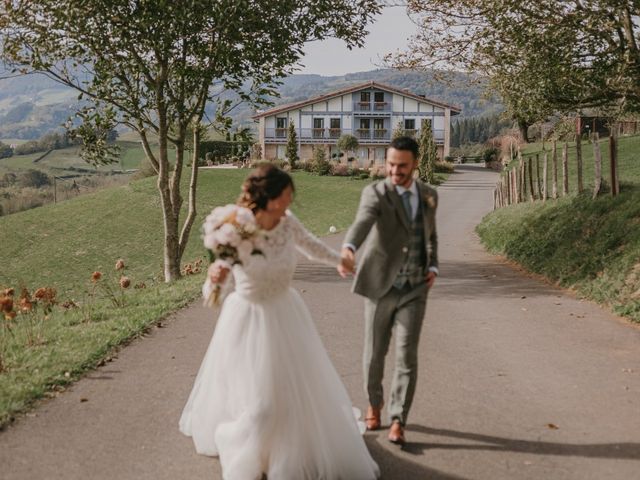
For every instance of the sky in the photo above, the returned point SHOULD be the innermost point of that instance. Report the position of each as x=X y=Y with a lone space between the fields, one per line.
x=389 y=33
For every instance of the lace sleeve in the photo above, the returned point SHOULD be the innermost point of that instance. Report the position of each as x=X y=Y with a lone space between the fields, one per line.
x=225 y=289
x=310 y=245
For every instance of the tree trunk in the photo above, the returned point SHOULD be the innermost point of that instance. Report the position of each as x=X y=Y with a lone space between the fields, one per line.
x=597 y=157
x=193 y=183
x=554 y=167
x=170 y=220
x=565 y=170
x=523 y=127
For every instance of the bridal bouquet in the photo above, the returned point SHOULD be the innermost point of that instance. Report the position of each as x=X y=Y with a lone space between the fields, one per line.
x=231 y=237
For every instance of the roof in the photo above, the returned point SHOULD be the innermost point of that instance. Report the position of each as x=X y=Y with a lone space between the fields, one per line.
x=354 y=88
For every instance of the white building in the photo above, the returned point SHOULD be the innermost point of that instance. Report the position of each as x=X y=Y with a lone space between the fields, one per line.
x=370 y=111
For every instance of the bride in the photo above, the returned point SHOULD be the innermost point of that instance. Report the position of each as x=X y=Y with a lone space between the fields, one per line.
x=267 y=399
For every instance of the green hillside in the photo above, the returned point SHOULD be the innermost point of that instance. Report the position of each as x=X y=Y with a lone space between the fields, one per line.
x=61 y=245
x=591 y=246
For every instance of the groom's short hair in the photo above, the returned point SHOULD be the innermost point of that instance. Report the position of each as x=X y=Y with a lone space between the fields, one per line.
x=405 y=143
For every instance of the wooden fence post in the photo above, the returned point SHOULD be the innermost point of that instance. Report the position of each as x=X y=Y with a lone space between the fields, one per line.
x=579 y=161
x=565 y=169
x=597 y=158
x=613 y=160
x=532 y=194
x=538 y=180
x=545 y=168
x=554 y=167
x=508 y=185
x=523 y=180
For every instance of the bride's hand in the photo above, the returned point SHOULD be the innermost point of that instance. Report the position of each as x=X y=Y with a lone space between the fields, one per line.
x=217 y=273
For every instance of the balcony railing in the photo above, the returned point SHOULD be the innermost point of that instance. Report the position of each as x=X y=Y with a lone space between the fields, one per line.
x=331 y=135
x=371 y=107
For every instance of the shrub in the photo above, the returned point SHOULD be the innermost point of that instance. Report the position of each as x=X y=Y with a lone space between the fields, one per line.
x=145 y=170
x=444 y=167
x=490 y=154
x=305 y=165
x=347 y=143
x=8 y=179
x=340 y=170
x=355 y=171
x=33 y=178
x=377 y=172
x=320 y=164
x=5 y=150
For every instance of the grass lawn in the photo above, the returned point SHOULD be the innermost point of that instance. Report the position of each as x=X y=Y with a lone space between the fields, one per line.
x=590 y=245
x=61 y=245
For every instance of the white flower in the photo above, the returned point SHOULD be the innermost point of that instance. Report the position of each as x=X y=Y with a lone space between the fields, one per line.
x=218 y=216
x=244 y=217
x=332 y=229
x=210 y=241
x=228 y=235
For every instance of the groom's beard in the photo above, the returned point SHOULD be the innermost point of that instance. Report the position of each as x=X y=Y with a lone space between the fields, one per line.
x=402 y=180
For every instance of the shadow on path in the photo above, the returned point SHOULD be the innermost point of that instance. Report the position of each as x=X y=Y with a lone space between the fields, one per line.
x=624 y=450
x=486 y=279
x=394 y=467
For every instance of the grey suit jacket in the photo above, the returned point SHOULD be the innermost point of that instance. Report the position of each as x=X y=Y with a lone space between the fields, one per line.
x=381 y=218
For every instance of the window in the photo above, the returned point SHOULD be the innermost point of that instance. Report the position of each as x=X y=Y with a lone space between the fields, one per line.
x=365 y=123
x=365 y=97
x=409 y=124
x=318 y=127
x=334 y=127
x=281 y=126
x=378 y=97
x=379 y=131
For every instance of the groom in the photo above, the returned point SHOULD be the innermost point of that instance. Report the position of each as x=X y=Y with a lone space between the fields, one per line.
x=398 y=267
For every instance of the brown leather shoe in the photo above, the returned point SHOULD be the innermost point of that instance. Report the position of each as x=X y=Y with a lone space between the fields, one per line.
x=372 y=420
x=396 y=433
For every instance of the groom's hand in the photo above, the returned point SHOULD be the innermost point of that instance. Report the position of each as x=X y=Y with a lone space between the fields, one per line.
x=431 y=279
x=347 y=263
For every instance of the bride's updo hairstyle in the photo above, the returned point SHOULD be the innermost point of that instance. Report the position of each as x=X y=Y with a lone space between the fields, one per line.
x=264 y=183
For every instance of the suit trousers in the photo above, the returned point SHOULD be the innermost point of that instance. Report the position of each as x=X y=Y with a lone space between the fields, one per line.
x=399 y=313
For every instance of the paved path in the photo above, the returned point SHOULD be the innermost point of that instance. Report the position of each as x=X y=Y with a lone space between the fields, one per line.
x=518 y=380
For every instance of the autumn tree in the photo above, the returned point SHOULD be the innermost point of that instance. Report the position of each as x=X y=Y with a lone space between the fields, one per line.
x=541 y=56
x=155 y=66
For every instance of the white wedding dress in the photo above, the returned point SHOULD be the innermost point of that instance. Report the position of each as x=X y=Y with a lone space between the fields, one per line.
x=267 y=399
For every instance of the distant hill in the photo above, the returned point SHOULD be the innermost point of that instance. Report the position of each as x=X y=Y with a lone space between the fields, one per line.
x=461 y=91
x=33 y=105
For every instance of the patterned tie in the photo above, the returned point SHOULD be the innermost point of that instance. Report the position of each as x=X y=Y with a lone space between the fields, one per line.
x=406 y=201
